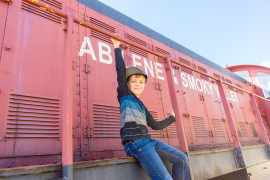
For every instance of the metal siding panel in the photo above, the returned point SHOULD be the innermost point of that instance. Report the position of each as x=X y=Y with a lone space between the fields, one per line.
x=99 y=117
x=32 y=67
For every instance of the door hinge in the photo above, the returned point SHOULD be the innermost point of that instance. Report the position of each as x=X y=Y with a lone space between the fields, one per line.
x=86 y=68
x=88 y=132
x=157 y=86
x=201 y=97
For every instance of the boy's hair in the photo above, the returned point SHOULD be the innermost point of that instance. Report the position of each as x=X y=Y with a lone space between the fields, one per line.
x=137 y=75
x=135 y=71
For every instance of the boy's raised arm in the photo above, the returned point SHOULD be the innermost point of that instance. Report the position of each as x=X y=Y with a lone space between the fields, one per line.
x=120 y=66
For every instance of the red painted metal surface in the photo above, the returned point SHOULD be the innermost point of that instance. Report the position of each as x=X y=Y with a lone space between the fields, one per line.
x=67 y=140
x=259 y=119
x=228 y=115
x=30 y=107
x=3 y=17
x=176 y=106
x=62 y=77
x=262 y=103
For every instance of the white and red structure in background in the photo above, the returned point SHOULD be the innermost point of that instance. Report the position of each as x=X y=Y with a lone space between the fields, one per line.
x=259 y=76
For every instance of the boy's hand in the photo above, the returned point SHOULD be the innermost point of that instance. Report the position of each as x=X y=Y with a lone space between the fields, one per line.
x=115 y=42
x=172 y=113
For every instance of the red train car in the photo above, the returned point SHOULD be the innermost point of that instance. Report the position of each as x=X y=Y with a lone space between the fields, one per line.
x=59 y=111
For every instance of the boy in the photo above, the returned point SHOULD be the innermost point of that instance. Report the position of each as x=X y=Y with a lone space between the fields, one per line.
x=134 y=119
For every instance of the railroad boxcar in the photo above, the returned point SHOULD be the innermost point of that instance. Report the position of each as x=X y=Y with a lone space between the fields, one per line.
x=60 y=116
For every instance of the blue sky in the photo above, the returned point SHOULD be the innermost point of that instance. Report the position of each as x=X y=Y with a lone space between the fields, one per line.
x=228 y=32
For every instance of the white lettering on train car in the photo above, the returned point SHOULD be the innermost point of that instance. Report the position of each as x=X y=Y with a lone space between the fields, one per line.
x=205 y=87
x=87 y=43
x=184 y=80
x=197 y=84
x=106 y=53
x=175 y=79
x=231 y=95
x=147 y=67
x=158 y=70
x=136 y=63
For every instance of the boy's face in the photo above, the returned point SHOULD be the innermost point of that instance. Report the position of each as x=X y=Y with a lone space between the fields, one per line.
x=136 y=84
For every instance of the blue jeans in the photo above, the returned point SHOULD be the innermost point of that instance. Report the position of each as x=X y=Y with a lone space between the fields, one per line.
x=149 y=151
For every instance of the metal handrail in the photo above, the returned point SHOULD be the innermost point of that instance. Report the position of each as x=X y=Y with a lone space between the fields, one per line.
x=85 y=24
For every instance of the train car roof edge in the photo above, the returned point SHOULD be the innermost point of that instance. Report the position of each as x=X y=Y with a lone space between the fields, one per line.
x=121 y=18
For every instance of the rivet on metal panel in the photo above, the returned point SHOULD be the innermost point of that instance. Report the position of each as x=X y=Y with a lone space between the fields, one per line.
x=73 y=65
x=186 y=115
x=8 y=47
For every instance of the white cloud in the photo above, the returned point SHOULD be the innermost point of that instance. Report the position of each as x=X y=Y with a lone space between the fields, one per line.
x=266 y=64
